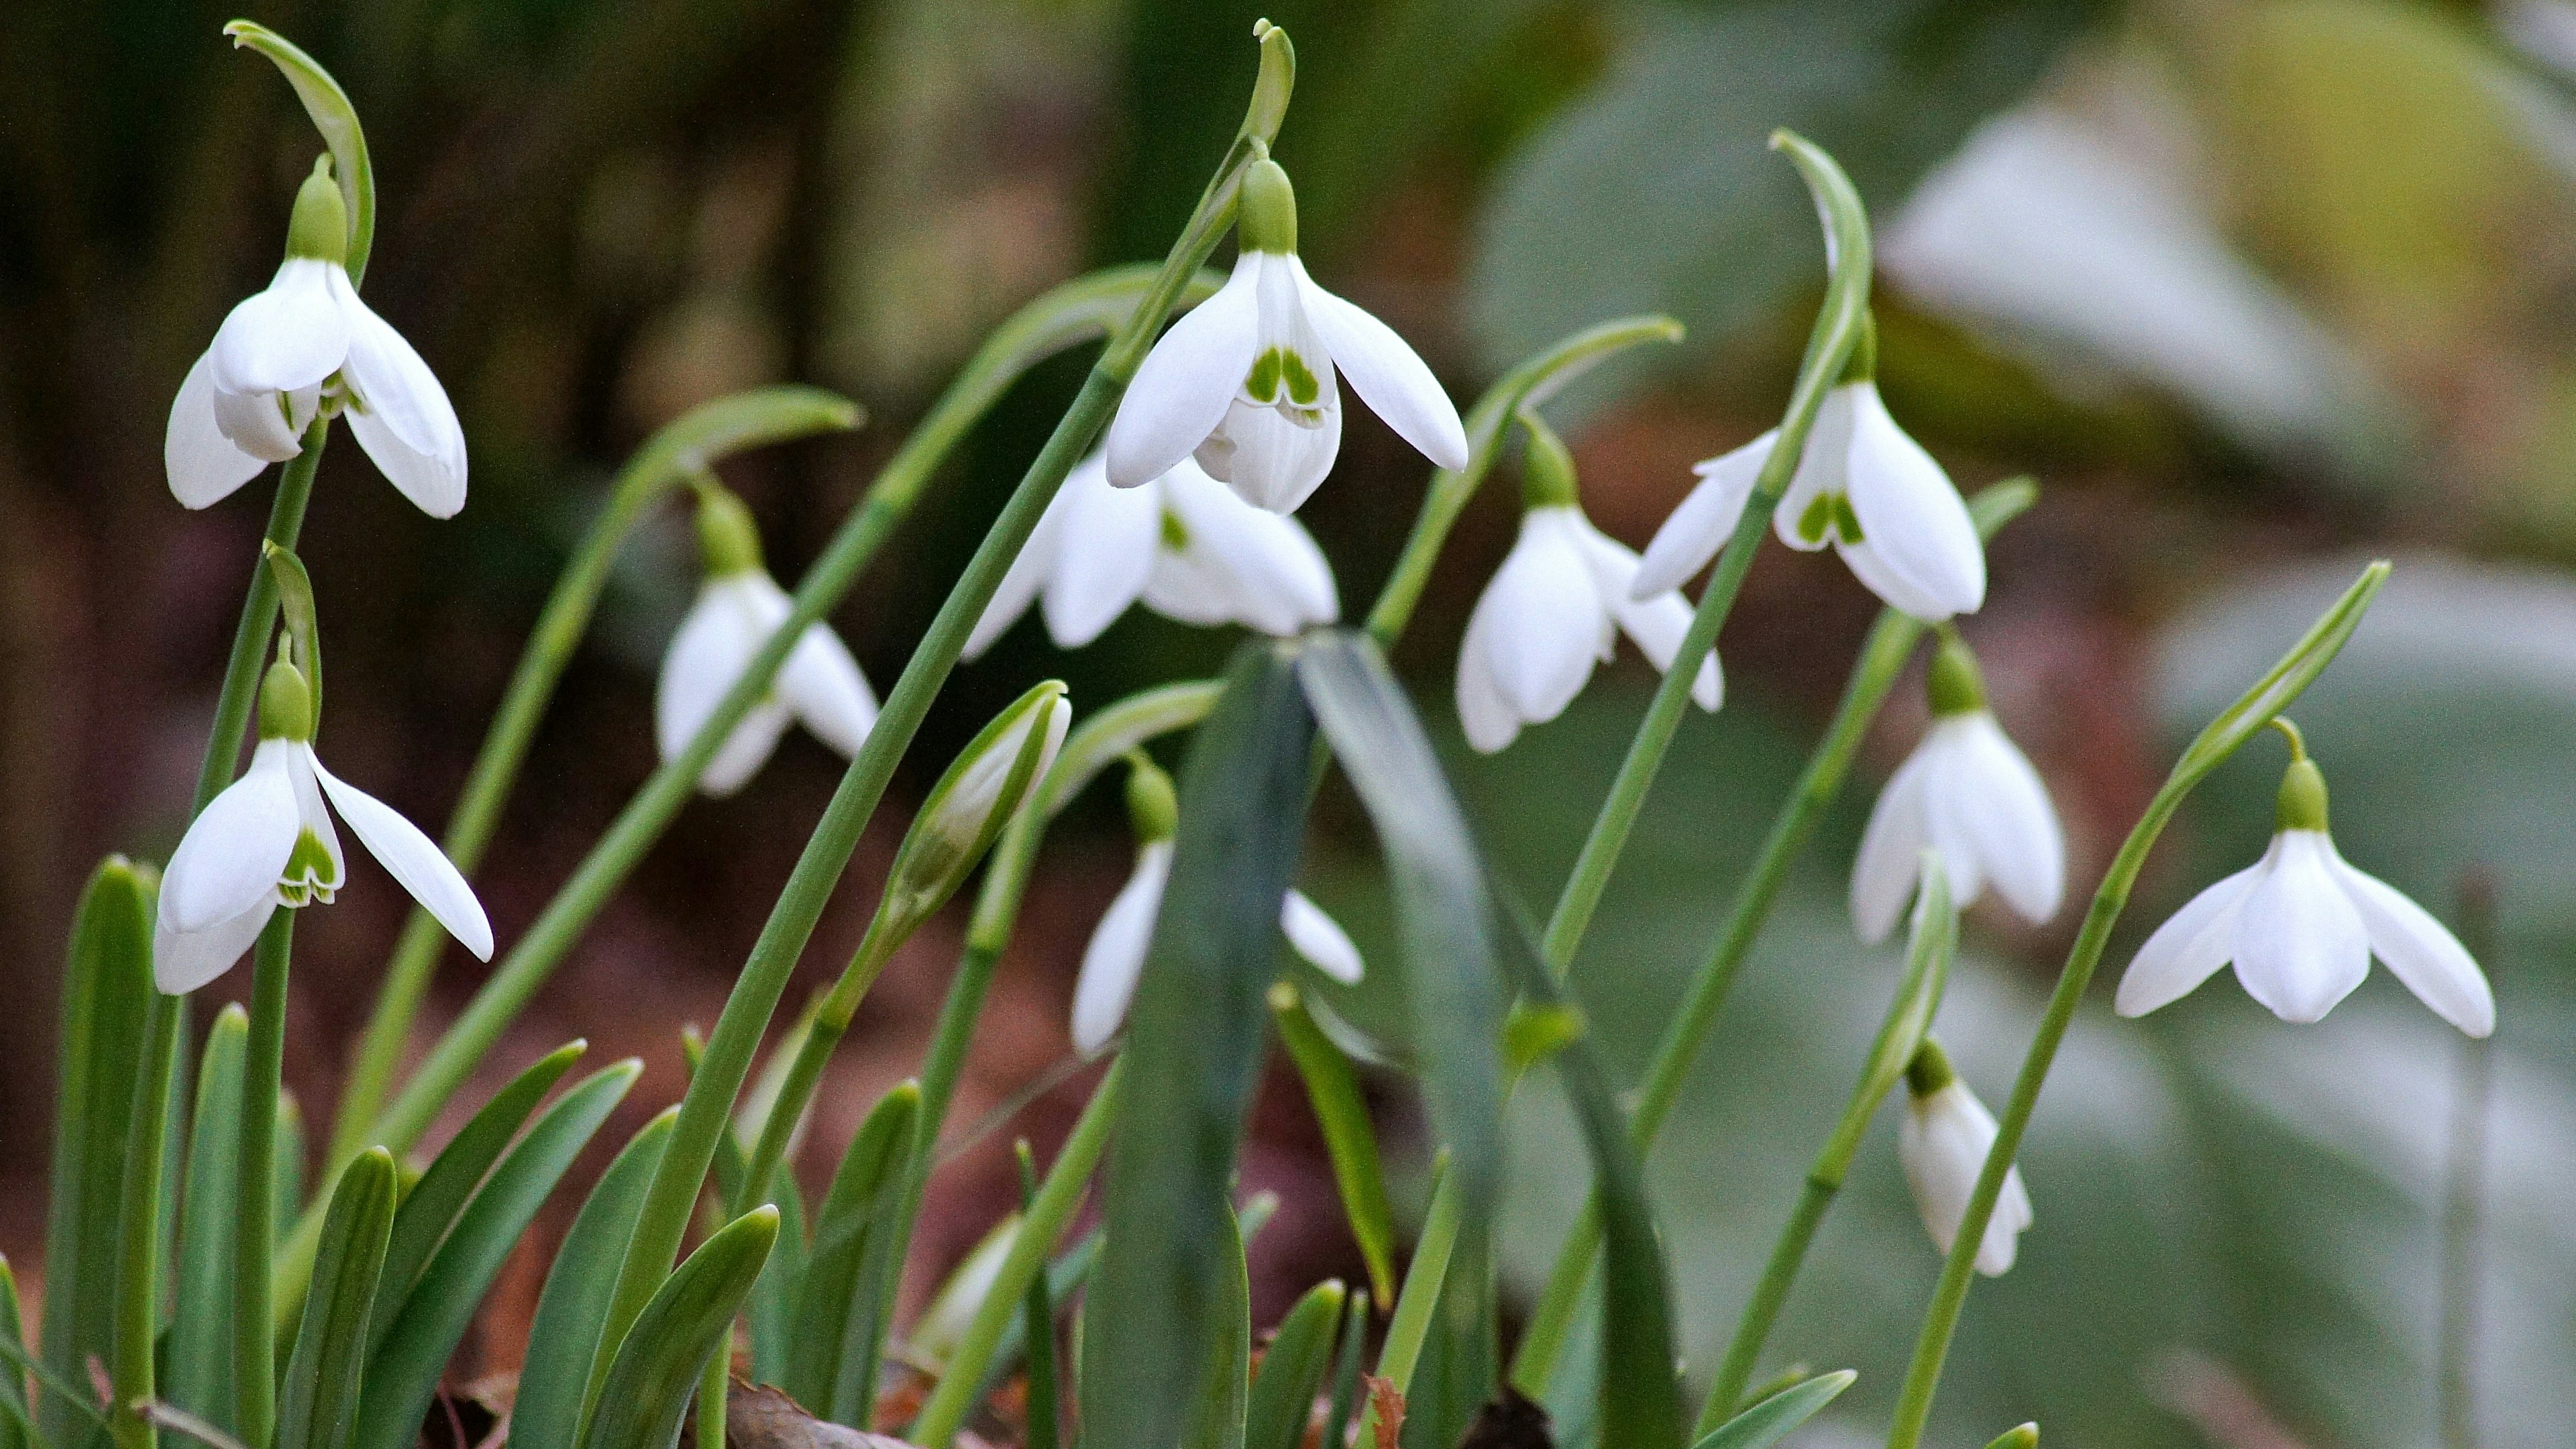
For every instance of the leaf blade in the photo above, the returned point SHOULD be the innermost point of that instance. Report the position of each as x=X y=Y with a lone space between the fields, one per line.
x=564 y=1335
x=318 y=1405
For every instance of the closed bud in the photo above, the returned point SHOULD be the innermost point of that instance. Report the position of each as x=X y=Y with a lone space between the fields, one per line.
x=966 y=811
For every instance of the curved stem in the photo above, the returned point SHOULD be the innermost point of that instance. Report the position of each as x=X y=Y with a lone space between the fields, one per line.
x=255 y=1197
x=259 y=611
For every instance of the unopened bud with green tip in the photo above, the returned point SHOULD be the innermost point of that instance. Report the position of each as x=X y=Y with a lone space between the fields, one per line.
x=989 y=782
x=1547 y=468
x=728 y=538
x=1943 y=1143
x=2025 y=1436
x=319 y=228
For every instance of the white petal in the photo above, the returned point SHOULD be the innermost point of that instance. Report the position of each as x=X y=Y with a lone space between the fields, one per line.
x=1548 y=624
x=1893 y=589
x=1824 y=469
x=413 y=859
x=291 y=335
x=1028 y=571
x=2012 y=1213
x=1319 y=938
x=1942 y=1143
x=1181 y=391
x=1270 y=461
x=1706 y=519
x=1891 y=850
x=1385 y=373
x=203 y=465
x=1657 y=622
x=747 y=749
x=1483 y=714
x=183 y=961
x=1270 y=574
x=234 y=851
x=2419 y=951
x=258 y=423
x=2300 y=944
x=1911 y=517
x=403 y=418
x=1986 y=793
x=1104 y=550
x=724 y=629
x=2193 y=943
x=1116 y=955
x=822 y=684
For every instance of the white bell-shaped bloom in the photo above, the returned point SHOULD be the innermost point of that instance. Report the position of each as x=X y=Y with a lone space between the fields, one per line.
x=1552 y=611
x=1246 y=383
x=1942 y=1144
x=819 y=685
x=1968 y=792
x=1182 y=543
x=267 y=841
x=286 y=352
x=1862 y=485
x=2301 y=926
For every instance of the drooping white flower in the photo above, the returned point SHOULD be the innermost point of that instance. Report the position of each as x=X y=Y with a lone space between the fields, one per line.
x=1182 y=543
x=306 y=343
x=1115 y=957
x=2301 y=926
x=1554 y=610
x=1862 y=485
x=1943 y=1143
x=738 y=607
x=1246 y=383
x=267 y=841
x=1968 y=792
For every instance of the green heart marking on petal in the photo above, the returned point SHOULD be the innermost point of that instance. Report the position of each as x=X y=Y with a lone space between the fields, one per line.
x=308 y=876
x=1176 y=534
x=1846 y=522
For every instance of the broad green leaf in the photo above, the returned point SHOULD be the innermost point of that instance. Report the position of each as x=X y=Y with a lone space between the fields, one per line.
x=1293 y=1369
x=426 y=1325
x=198 y=1375
x=337 y=120
x=318 y=1404
x=1194 y=1050
x=107 y=991
x=1216 y=1421
x=771 y=1311
x=16 y=1429
x=1350 y=1140
x=1769 y=1420
x=659 y=1361
x=434 y=1205
x=822 y=1356
x=565 y=1333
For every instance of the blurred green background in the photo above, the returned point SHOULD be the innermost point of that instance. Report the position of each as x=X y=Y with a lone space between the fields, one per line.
x=2257 y=287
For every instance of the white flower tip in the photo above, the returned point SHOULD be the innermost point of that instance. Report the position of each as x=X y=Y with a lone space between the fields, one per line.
x=1319 y=938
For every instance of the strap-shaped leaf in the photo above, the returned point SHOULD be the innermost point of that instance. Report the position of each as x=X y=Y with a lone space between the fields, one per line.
x=1767 y=1421
x=199 y=1375
x=565 y=1332
x=1216 y=1422
x=16 y=1429
x=660 y=1359
x=772 y=1307
x=1334 y=1092
x=337 y=120
x=426 y=1325
x=435 y=1204
x=319 y=1404
x=107 y=992
x=1300 y=1354
x=1193 y=1054
x=828 y=1307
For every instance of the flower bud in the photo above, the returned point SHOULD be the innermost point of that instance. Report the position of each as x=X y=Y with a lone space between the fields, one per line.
x=319 y=228
x=1266 y=218
x=2025 y=1436
x=285 y=704
x=967 y=809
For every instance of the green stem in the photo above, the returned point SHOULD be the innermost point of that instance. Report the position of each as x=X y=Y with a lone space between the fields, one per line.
x=1881 y=662
x=138 y=1271
x=259 y=610
x=766 y=415
x=255 y=1200
x=713 y=1386
x=2240 y=721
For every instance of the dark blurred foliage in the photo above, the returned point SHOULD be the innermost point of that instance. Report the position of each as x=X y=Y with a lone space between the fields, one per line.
x=2248 y=284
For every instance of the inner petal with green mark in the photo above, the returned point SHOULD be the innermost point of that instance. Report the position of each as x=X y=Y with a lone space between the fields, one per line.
x=1280 y=375
x=1176 y=534
x=310 y=875
x=1829 y=512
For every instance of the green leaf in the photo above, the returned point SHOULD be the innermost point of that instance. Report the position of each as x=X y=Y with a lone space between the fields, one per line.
x=319 y=1403
x=1216 y=1421
x=199 y=1376
x=440 y=1199
x=1300 y=1353
x=1346 y=1374
x=1767 y=1421
x=1423 y=1279
x=773 y=1299
x=427 y=1324
x=107 y=993
x=16 y=1429
x=660 y=1359
x=713 y=431
x=337 y=120
x=565 y=1333
x=1194 y=1046
x=836 y=1338
x=289 y=1163
x=1334 y=1091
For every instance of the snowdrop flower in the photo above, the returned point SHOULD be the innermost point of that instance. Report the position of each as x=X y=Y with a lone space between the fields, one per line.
x=305 y=347
x=267 y=841
x=1968 y=792
x=1554 y=609
x=1863 y=486
x=1115 y=958
x=1181 y=542
x=738 y=608
x=2301 y=926
x=1943 y=1143
x=1246 y=382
